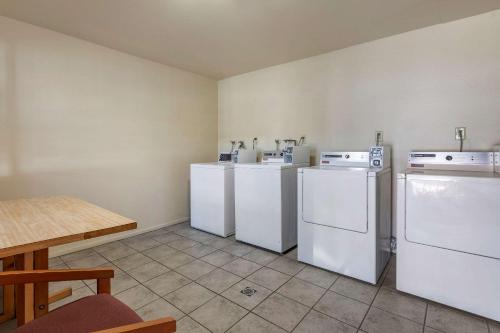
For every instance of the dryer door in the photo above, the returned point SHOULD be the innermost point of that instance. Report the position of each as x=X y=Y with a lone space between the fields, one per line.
x=336 y=198
x=455 y=213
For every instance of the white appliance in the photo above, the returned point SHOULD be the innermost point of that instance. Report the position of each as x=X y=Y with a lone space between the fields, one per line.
x=448 y=227
x=497 y=158
x=212 y=192
x=266 y=200
x=344 y=213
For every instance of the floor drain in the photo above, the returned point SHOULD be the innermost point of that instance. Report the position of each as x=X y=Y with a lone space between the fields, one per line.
x=248 y=291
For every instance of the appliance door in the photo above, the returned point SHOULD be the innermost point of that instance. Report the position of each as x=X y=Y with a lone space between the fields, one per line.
x=336 y=198
x=209 y=198
x=455 y=213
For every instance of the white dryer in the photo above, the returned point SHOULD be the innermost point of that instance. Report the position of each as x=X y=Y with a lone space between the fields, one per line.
x=448 y=221
x=266 y=200
x=344 y=213
x=212 y=193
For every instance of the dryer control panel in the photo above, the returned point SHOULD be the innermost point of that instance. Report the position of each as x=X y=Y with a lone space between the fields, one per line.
x=497 y=158
x=377 y=155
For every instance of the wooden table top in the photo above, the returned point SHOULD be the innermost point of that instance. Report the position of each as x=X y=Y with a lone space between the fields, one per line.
x=32 y=224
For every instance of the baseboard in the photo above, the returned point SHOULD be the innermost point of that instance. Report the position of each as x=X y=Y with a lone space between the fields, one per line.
x=82 y=245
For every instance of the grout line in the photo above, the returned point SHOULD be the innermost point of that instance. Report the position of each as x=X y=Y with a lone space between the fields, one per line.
x=425 y=316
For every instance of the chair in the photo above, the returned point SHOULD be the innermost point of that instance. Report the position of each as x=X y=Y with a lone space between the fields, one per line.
x=101 y=313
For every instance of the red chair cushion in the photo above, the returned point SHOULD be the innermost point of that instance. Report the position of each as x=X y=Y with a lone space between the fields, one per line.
x=88 y=314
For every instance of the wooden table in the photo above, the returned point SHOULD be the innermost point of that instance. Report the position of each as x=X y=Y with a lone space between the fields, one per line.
x=28 y=227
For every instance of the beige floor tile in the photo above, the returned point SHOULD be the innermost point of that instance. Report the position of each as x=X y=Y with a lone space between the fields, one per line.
x=166 y=238
x=219 y=258
x=132 y=261
x=190 y=297
x=159 y=309
x=187 y=232
x=269 y=278
x=188 y=325
x=431 y=330
x=342 y=308
x=77 y=255
x=281 y=311
x=114 y=250
x=358 y=290
x=255 y=324
x=379 y=321
x=218 y=280
x=390 y=278
x=238 y=249
x=136 y=297
x=148 y=271
x=301 y=291
x=90 y=261
x=141 y=243
x=241 y=267
x=167 y=282
x=260 y=257
x=55 y=261
x=286 y=265
x=195 y=269
x=448 y=320
x=317 y=276
x=316 y=322
x=200 y=250
x=292 y=254
x=248 y=301
x=160 y=252
x=182 y=244
x=219 y=314
x=176 y=259
x=202 y=237
x=219 y=243
x=400 y=304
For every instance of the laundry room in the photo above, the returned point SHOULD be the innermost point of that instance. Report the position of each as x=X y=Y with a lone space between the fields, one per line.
x=250 y=166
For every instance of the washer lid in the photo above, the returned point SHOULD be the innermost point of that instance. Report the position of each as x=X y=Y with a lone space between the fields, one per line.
x=336 y=198
x=275 y=166
x=214 y=165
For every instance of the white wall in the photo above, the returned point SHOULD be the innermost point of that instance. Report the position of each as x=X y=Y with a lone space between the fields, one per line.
x=83 y=120
x=416 y=87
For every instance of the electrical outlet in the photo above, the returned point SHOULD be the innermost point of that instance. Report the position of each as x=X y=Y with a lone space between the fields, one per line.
x=458 y=131
x=379 y=138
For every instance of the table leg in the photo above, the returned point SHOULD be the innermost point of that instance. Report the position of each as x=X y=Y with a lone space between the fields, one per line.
x=41 y=297
x=24 y=293
x=8 y=293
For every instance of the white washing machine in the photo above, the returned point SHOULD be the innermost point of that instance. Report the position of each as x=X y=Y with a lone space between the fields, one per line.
x=212 y=193
x=448 y=221
x=266 y=200
x=344 y=213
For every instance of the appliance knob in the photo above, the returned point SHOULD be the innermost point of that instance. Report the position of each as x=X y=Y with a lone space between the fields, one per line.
x=347 y=156
x=449 y=158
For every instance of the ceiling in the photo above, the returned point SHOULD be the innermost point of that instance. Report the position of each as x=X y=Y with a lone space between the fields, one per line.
x=221 y=38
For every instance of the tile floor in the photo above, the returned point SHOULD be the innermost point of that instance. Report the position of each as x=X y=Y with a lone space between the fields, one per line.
x=212 y=284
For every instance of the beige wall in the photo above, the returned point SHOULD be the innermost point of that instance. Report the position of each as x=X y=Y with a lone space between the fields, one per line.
x=416 y=87
x=116 y=130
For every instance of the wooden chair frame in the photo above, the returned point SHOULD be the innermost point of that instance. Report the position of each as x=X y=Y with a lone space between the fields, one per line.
x=103 y=277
